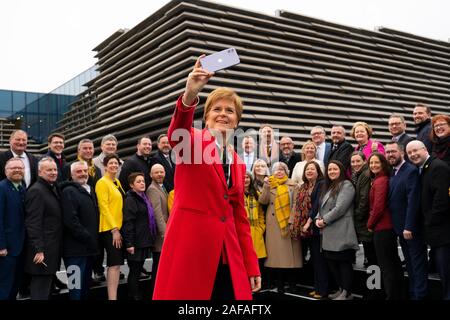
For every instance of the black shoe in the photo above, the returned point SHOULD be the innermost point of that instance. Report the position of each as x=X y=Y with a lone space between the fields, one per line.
x=99 y=277
x=122 y=275
x=145 y=271
x=143 y=276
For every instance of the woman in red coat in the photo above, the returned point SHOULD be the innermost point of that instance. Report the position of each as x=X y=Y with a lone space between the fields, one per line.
x=380 y=223
x=208 y=250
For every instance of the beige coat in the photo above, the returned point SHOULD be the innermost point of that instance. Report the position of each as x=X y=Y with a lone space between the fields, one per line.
x=282 y=252
x=158 y=198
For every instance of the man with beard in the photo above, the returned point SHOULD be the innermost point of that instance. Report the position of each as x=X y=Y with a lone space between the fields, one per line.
x=341 y=150
x=422 y=119
x=80 y=217
x=435 y=207
x=404 y=203
x=287 y=154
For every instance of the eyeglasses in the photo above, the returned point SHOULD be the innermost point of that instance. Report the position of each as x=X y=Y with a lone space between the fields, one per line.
x=15 y=168
x=395 y=124
x=317 y=133
x=440 y=125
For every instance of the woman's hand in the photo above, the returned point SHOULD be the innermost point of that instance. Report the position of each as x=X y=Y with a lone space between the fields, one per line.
x=320 y=223
x=117 y=239
x=130 y=250
x=374 y=146
x=255 y=283
x=195 y=82
x=306 y=225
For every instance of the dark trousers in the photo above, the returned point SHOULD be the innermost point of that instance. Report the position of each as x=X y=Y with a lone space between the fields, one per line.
x=81 y=268
x=369 y=252
x=133 y=279
x=155 y=263
x=40 y=286
x=11 y=269
x=320 y=268
x=342 y=271
x=415 y=253
x=97 y=266
x=223 y=286
x=442 y=256
x=385 y=242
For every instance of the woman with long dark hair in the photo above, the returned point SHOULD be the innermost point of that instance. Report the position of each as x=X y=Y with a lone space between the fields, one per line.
x=335 y=219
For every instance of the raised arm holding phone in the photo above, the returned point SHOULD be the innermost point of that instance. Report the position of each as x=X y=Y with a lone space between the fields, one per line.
x=208 y=251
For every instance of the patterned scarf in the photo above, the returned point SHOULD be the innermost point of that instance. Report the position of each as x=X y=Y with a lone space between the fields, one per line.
x=151 y=214
x=91 y=166
x=253 y=208
x=282 y=203
x=301 y=211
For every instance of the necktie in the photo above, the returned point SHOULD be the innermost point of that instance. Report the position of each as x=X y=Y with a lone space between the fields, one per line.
x=335 y=146
x=394 y=139
x=164 y=189
x=268 y=151
x=394 y=172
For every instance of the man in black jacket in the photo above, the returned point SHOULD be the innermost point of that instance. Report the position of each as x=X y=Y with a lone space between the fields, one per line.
x=435 y=207
x=139 y=162
x=422 y=119
x=55 y=150
x=164 y=158
x=287 y=153
x=341 y=149
x=43 y=221
x=80 y=241
x=18 y=142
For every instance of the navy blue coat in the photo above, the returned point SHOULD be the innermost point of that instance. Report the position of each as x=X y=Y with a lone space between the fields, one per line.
x=12 y=218
x=404 y=199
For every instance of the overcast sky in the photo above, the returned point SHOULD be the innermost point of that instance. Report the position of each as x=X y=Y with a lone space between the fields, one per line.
x=45 y=43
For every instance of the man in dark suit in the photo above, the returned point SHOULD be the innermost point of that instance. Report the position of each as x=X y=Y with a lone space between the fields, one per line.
x=138 y=162
x=287 y=153
x=341 y=149
x=164 y=158
x=43 y=221
x=397 y=128
x=55 y=151
x=318 y=136
x=12 y=228
x=422 y=119
x=404 y=203
x=18 y=143
x=435 y=207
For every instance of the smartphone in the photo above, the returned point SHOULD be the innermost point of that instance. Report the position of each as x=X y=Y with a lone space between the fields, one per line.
x=220 y=60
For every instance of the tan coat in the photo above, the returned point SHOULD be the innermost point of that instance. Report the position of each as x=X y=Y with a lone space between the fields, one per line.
x=282 y=252
x=158 y=198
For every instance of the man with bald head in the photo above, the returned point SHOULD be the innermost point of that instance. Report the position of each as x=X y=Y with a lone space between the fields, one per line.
x=341 y=149
x=158 y=197
x=287 y=153
x=435 y=207
x=18 y=142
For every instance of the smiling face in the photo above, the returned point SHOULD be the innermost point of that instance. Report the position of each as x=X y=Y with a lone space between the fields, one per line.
x=80 y=173
x=311 y=172
x=417 y=152
x=247 y=181
x=144 y=147
x=317 y=136
x=56 y=145
x=420 y=115
x=260 y=168
x=441 y=128
x=361 y=135
x=357 y=162
x=393 y=154
x=310 y=151
x=248 y=144
x=18 y=142
x=286 y=145
x=279 y=172
x=333 y=171
x=158 y=173
x=48 y=171
x=164 y=145
x=337 y=134
x=109 y=147
x=396 y=126
x=86 y=151
x=222 y=116
x=15 y=170
x=375 y=165
x=112 y=167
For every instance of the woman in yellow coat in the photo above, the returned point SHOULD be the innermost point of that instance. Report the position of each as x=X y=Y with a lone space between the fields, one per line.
x=255 y=214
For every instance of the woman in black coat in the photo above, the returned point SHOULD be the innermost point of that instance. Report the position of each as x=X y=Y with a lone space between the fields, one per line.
x=138 y=230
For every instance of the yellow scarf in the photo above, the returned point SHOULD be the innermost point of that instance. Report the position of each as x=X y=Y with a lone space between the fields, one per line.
x=282 y=203
x=91 y=169
x=253 y=208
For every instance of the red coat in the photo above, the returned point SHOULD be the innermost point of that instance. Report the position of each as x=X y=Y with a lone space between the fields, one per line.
x=208 y=221
x=380 y=215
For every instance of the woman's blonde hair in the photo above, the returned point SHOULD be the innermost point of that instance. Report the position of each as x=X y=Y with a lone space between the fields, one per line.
x=307 y=143
x=224 y=93
x=362 y=124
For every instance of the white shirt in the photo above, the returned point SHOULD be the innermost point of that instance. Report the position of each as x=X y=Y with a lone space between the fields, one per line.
x=320 y=153
x=26 y=163
x=87 y=187
x=398 y=167
x=249 y=158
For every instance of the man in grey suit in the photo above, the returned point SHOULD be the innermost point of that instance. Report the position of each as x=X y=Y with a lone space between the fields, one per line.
x=158 y=195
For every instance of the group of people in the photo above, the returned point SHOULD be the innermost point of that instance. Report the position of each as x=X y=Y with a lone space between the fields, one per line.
x=233 y=217
x=51 y=210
